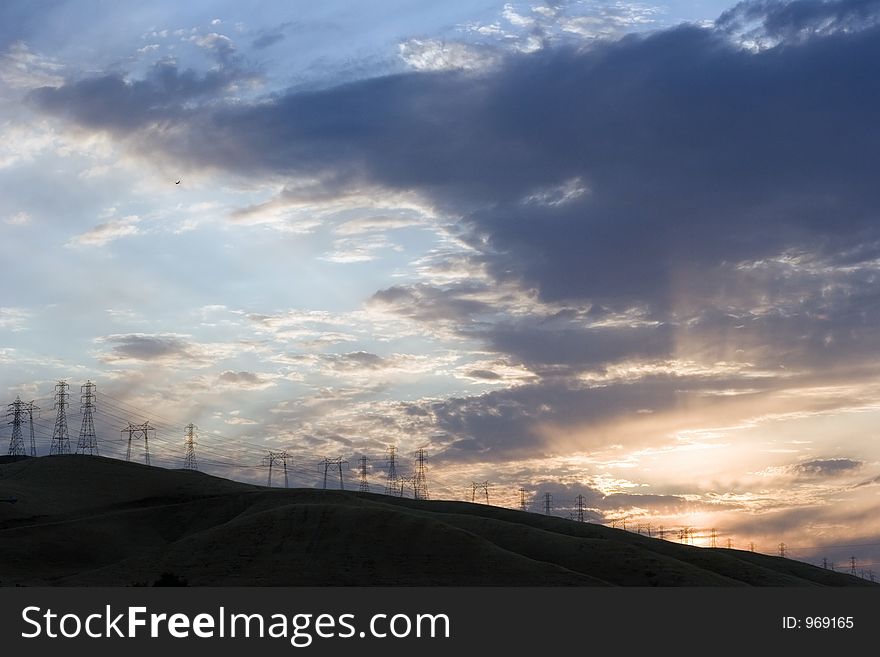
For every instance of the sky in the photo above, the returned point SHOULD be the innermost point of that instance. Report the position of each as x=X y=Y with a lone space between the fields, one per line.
x=619 y=250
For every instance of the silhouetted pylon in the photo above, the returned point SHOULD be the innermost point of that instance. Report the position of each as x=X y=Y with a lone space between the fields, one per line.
x=277 y=457
x=334 y=464
x=189 y=443
x=548 y=503
x=483 y=486
x=420 y=478
x=523 y=505
x=88 y=441
x=364 y=484
x=581 y=507
x=16 y=411
x=60 y=436
x=139 y=431
x=32 y=409
x=391 y=485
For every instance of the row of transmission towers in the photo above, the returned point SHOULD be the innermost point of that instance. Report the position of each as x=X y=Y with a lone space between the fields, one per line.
x=20 y=413
x=395 y=483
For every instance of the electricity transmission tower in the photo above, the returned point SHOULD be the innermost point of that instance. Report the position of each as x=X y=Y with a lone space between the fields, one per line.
x=274 y=458
x=334 y=464
x=365 y=485
x=15 y=411
x=713 y=537
x=391 y=480
x=782 y=549
x=420 y=479
x=88 y=441
x=729 y=543
x=581 y=506
x=852 y=561
x=32 y=408
x=523 y=505
x=548 y=503
x=189 y=460
x=483 y=486
x=139 y=431
x=60 y=436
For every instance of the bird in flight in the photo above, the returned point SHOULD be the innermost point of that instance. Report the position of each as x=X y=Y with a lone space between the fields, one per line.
x=177 y=183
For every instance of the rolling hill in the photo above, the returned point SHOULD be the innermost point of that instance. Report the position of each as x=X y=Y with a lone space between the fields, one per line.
x=92 y=521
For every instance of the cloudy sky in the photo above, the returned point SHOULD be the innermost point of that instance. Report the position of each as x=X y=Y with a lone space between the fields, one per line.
x=623 y=250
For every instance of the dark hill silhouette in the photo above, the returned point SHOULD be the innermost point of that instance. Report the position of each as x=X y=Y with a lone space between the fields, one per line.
x=82 y=520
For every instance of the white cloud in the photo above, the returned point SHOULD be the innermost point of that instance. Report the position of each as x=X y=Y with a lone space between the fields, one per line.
x=513 y=17
x=362 y=249
x=363 y=225
x=13 y=318
x=18 y=219
x=435 y=55
x=107 y=232
x=568 y=191
x=219 y=44
x=20 y=68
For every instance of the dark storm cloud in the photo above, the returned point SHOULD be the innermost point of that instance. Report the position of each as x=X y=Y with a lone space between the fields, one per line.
x=693 y=152
x=111 y=102
x=584 y=348
x=789 y=21
x=729 y=193
x=506 y=421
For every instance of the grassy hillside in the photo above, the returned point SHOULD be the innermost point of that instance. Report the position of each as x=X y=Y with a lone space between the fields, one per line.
x=82 y=520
